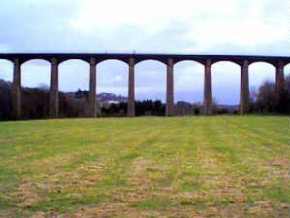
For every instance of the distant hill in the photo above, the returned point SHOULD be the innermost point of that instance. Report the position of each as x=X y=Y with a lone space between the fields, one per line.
x=230 y=108
x=106 y=97
x=110 y=97
x=103 y=97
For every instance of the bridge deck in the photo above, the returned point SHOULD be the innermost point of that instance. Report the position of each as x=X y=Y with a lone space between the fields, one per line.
x=146 y=56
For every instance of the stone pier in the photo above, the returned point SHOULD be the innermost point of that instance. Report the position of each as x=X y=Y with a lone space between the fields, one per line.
x=207 y=89
x=93 y=87
x=244 y=99
x=170 y=88
x=131 y=88
x=53 y=96
x=279 y=77
x=16 y=90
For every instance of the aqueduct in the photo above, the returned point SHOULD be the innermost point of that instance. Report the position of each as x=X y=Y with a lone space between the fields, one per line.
x=169 y=60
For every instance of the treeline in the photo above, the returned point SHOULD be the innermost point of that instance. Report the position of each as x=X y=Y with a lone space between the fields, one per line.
x=35 y=104
x=142 y=108
x=267 y=100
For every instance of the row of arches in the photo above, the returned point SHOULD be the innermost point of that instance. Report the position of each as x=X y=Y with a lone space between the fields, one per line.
x=150 y=79
x=139 y=58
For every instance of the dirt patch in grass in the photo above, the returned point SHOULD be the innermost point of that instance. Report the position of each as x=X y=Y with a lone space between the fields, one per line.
x=280 y=168
x=284 y=163
x=26 y=195
x=122 y=210
x=39 y=215
x=268 y=209
x=140 y=186
x=258 y=209
x=139 y=180
x=138 y=173
x=263 y=209
x=143 y=181
x=80 y=179
x=108 y=210
x=76 y=182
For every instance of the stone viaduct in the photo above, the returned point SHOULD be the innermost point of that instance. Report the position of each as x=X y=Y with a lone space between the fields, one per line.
x=131 y=59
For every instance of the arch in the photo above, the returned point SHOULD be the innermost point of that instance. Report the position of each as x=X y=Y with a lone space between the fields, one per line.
x=263 y=62
x=112 y=77
x=6 y=78
x=76 y=70
x=112 y=59
x=226 y=81
x=72 y=60
x=148 y=83
x=74 y=76
x=287 y=71
x=6 y=60
x=188 y=60
x=260 y=72
x=6 y=70
x=63 y=60
x=35 y=73
x=215 y=62
x=189 y=81
x=150 y=60
x=34 y=60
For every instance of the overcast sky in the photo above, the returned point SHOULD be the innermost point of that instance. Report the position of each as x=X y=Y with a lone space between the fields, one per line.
x=256 y=27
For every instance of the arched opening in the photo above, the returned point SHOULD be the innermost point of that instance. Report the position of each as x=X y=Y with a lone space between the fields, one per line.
x=286 y=98
x=189 y=86
x=6 y=70
x=6 y=77
x=35 y=79
x=73 y=87
x=35 y=74
x=226 y=82
x=287 y=71
x=150 y=87
x=259 y=74
x=112 y=87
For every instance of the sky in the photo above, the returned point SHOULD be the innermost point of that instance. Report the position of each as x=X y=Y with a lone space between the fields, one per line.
x=259 y=27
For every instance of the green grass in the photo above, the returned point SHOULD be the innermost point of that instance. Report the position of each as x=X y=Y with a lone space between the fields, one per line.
x=146 y=167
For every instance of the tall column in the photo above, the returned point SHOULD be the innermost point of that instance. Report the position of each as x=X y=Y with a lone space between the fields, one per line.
x=279 y=77
x=16 y=90
x=244 y=99
x=53 y=98
x=93 y=87
x=207 y=88
x=170 y=88
x=131 y=88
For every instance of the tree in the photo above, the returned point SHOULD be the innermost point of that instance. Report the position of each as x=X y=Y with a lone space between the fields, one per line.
x=269 y=101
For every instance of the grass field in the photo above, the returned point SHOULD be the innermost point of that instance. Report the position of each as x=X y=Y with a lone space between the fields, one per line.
x=146 y=167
